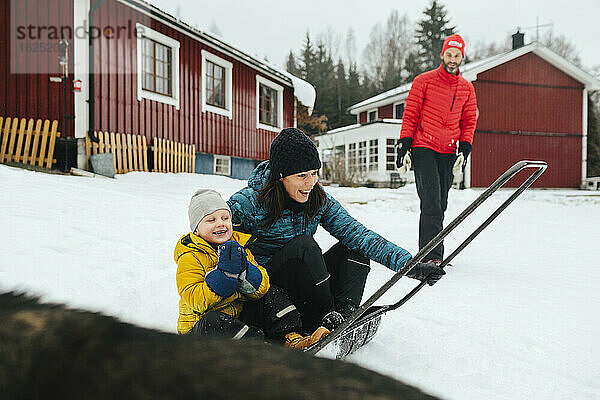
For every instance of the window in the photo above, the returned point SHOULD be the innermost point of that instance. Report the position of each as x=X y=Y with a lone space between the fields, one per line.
x=217 y=75
x=352 y=157
x=373 y=155
x=215 y=85
x=362 y=156
x=390 y=157
x=269 y=105
x=157 y=66
x=156 y=69
x=398 y=110
x=372 y=116
x=222 y=165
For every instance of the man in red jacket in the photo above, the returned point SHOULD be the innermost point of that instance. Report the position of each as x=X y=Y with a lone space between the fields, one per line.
x=437 y=127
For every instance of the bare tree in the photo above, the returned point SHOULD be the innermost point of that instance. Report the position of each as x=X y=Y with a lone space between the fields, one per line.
x=350 y=47
x=562 y=46
x=336 y=168
x=479 y=50
x=385 y=55
x=332 y=40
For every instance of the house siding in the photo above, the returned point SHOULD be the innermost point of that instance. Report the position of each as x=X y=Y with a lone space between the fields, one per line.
x=528 y=109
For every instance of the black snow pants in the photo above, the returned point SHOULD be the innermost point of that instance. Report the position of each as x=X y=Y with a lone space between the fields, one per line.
x=318 y=283
x=433 y=178
x=271 y=317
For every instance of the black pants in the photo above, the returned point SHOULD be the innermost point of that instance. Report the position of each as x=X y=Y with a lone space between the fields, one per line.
x=318 y=283
x=433 y=177
x=270 y=317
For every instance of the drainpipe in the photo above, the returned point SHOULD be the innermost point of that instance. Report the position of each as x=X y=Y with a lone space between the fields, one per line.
x=91 y=80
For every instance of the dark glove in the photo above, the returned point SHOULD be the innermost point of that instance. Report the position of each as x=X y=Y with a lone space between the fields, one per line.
x=402 y=146
x=465 y=148
x=426 y=271
x=224 y=279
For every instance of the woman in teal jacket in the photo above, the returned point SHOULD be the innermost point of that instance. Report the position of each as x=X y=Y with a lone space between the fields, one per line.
x=281 y=208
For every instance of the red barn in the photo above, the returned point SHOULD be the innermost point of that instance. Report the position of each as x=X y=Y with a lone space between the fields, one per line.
x=143 y=72
x=532 y=105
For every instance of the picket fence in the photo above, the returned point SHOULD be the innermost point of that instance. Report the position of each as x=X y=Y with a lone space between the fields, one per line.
x=29 y=142
x=130 y=153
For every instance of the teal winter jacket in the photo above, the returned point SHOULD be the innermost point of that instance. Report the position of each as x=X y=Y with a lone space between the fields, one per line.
x=265 y=242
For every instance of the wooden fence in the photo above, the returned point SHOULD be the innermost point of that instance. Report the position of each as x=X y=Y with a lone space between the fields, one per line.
x=23 y=143
x=130 y=153
x=173 y=156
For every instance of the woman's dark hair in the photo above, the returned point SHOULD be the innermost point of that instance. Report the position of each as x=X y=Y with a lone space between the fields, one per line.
x=274 y=197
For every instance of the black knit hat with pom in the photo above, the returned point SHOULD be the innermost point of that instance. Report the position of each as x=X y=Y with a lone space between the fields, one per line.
x=292 y=152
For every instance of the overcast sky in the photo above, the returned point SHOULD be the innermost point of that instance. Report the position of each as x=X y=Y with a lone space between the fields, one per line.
x=270 y=28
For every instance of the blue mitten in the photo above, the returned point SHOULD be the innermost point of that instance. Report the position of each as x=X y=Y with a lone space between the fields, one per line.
x=223 y=280
x=220 y=283
x=232 y=259
x=250 y=280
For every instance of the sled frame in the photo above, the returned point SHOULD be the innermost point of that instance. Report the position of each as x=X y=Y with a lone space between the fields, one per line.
x=366 y=314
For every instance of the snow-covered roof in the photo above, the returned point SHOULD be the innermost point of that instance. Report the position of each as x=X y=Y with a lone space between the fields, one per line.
x=303 y=90
x=471 y=70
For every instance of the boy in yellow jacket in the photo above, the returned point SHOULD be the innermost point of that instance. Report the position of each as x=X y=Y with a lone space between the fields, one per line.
x=223 y=290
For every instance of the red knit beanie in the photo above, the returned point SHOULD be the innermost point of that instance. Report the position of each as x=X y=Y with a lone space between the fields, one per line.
x=455 y=41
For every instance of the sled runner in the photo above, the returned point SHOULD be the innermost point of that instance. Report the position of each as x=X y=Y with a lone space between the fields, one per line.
x=360 y=327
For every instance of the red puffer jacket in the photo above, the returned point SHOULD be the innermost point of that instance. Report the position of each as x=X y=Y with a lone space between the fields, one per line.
x=440 y=110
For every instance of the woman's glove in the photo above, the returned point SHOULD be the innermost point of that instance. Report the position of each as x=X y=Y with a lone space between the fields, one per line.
x=426 y=271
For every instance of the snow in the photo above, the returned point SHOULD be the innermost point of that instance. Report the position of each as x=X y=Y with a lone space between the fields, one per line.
x=516 y=317
x=303 y=90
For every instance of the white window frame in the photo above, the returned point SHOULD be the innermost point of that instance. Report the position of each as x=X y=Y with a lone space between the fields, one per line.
x=395 y=104
x=376 y=114
x=222 y=158
x=352 y=158
x=227 y=111
x=390 y=150
x=373 y=152
x=263 y=81
x=142 y=32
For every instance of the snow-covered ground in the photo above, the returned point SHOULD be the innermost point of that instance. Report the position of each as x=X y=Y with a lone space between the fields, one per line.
x=516 y=317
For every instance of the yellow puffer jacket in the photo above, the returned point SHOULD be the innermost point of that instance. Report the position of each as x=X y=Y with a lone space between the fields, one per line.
x=195 y=258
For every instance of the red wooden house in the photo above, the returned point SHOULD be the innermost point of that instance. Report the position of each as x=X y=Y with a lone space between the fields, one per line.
x=532 y=105
x=143 y=72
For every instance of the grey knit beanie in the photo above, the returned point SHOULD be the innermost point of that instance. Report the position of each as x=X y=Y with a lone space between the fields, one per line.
x=204 y=202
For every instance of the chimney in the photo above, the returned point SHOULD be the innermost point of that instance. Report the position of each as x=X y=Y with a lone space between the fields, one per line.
x=518 y=40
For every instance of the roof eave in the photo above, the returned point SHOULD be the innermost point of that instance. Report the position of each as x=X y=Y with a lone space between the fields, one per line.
x=558 y=61
x=160 y=15
x=470 y=74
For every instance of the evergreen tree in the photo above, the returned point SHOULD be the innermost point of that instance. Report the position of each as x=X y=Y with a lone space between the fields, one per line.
x=593 y=140
x=413 y=67
x=341 y=94
x=307 y=58
x=316 y=67
x=431 y=32
x=354 y=89
x=324 y=80
x=291 y=66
